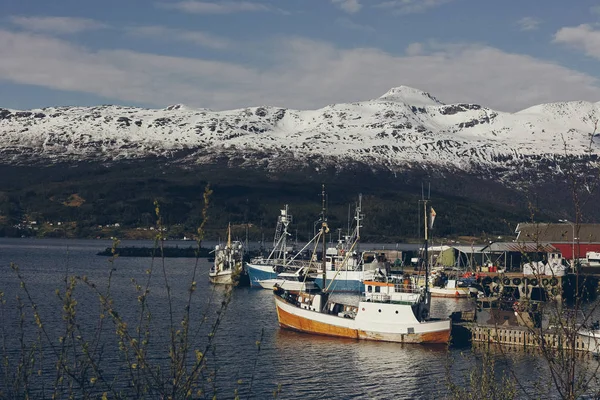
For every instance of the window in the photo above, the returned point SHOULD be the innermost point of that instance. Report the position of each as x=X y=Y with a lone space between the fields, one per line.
x=377 y=289
x=369 y=288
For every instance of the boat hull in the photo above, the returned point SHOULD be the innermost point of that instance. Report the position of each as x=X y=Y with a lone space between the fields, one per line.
x=338 y=286
x=459 y=292
x=343 y=281
x=348 y=282
x=221 y=278
x=236 y=277
x=287 y=285
x=590 y=340
x=362 y=327
x=259 y=273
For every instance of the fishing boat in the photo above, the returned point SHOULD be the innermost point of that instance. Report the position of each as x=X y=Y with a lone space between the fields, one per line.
x=298 y=281
x=387 y=311
x=590 y=336
x=444 y=284
x=343 y=261
x=227 y=268
x=348 y=269
x=279 y=259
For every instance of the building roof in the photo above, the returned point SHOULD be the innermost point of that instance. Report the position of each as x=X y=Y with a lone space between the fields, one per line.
x=470 y=249
x=438 y=248
x=558 y=233
x=520 y=247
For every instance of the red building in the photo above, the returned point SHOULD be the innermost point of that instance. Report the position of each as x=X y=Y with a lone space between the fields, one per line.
x=567 y=237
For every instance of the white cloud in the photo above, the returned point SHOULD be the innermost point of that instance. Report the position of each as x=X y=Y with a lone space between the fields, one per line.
x=582 y=37
x=350 y=6
x=58 y=25
x=452 y=73
x=411 y=6
x=414 y=49
x=301 y=73
x=529 y=23
x=347 y=23
x=170 y=34
x=221 y=7
x=120 y=74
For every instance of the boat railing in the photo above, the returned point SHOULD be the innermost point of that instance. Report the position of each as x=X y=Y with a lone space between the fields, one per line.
x=378 y=297
x=404 y=288
x=298 y=263
x=280 y=262
x=397 y=298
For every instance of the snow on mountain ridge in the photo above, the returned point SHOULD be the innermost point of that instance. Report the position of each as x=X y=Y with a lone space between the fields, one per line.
x=411 y=96
x=404 y=127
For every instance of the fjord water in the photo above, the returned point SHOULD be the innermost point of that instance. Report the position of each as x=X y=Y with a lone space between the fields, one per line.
x=299 y=365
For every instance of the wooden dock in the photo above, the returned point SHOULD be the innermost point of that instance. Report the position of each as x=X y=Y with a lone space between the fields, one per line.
x=467 y=331
x=517 y=336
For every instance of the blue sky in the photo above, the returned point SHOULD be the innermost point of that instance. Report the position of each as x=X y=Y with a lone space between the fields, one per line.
x=304 y=54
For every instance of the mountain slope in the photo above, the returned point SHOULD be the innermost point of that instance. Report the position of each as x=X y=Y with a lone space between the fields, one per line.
x=403 y=128
x=488 y=170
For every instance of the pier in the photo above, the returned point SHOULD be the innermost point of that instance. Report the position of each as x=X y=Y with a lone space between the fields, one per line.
x=525 y=337
x=519 y=330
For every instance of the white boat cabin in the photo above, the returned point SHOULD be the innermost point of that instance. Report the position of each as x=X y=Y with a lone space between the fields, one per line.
x=338 y=259
x=393 y=290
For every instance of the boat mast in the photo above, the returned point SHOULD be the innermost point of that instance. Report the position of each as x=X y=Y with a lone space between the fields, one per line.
x=426 y=224
x=286 y=222
x=229 y=236
x=358 y=216
x=323 y=231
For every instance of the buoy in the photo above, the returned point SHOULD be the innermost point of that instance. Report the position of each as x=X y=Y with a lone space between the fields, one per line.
x=456 y=293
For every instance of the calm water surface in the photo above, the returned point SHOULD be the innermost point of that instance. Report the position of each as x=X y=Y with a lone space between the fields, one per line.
x=303 y=366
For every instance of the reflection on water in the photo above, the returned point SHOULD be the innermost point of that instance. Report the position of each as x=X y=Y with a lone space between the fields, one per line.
x=305 y=366
x=361 y=369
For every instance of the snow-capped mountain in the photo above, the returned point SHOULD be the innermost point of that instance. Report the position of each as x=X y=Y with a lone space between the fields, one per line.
x=402 y=128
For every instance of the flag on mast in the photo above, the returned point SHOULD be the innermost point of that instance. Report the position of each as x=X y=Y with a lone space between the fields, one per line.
x=431 y=218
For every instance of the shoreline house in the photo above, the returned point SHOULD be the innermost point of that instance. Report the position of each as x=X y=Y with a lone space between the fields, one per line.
x=575 y=242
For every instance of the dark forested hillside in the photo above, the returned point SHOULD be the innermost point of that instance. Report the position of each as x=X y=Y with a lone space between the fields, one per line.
x=86 y=198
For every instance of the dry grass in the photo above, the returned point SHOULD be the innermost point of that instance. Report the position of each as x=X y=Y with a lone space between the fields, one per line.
x=74 y=200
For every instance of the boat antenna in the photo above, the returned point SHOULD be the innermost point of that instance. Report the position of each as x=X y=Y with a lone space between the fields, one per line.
x=246 y=212
x=358 y=216
x=425 y=224
x=229 y=235
x=285 y=219
x=324 y=230
x=348 y=233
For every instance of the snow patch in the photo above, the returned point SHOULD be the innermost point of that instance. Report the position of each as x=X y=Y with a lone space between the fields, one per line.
x=410 y=96
x=406 y=126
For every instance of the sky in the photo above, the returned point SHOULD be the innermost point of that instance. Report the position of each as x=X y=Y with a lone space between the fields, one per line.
x=303 y=54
